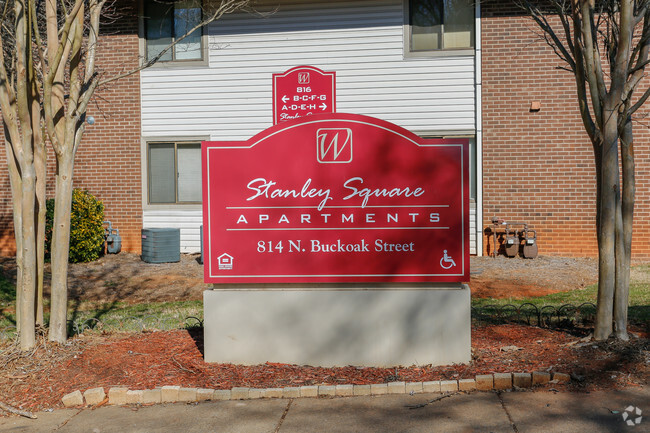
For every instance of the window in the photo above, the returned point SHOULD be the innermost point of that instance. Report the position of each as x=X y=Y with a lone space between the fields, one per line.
x=174 y=173
x=440 y=25
x=165 y=21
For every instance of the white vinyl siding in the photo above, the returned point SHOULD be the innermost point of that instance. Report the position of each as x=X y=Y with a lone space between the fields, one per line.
x=188 y=220
x=362 y=41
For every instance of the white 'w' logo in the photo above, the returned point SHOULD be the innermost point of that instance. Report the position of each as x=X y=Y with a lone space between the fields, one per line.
x=334 y=145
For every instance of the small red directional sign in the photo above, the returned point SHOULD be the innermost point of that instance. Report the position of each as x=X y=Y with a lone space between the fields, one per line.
x=302 y=91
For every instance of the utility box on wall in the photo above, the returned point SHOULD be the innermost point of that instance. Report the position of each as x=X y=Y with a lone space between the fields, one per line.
x=161 y=245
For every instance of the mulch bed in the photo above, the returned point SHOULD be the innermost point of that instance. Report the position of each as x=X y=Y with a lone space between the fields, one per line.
x=37 y=381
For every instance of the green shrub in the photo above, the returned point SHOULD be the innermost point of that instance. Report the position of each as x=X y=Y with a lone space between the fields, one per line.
x=86 y=227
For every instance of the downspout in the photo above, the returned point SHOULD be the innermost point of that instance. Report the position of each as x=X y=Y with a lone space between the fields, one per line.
x=479 y=132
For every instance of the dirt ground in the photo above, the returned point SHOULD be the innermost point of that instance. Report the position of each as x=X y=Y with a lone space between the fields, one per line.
x=126 y=278
x=503 y=277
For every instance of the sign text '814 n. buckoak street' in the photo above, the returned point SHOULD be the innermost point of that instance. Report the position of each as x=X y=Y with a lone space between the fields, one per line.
x=336 y=198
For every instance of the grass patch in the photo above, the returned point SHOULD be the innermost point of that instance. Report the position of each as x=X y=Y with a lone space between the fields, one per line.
x=121 y=317
x=7 y=291
x=118 y=316
x=638 y=313
x=137 y=317
x=7 y=307
x=575 y=297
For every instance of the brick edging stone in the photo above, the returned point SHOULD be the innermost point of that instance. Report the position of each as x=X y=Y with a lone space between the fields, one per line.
x=171 y=394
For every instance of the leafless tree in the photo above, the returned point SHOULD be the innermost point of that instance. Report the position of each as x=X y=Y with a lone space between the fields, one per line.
x=605 y=45
x=48 y=76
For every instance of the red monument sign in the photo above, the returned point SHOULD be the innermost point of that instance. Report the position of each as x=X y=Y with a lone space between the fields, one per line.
x=303 y=91
x=336 y=198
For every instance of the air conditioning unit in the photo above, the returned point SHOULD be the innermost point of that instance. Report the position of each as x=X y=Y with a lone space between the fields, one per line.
x=161 y=245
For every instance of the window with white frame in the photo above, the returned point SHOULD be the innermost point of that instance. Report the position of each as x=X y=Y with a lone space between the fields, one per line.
x=174 y=172
x=166 y=21
x=437 y=25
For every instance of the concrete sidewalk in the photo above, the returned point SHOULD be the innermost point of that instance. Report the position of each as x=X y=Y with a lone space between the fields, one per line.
x=540 y=411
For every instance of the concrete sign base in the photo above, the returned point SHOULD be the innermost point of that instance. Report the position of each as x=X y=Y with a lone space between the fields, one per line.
x=334 y=327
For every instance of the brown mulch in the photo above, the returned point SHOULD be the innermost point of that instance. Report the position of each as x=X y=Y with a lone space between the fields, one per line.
x=152 y=359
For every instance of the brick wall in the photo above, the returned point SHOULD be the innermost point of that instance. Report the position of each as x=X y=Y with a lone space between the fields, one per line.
x=108 y=160
x=538 y=166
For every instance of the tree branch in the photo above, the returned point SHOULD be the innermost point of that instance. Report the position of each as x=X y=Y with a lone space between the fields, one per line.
x=583 y=18
x=623 y=49
x=560 y=9
x=640 y=102
x=75 y=65
x=641 y=11
x=636 y=74
x=555 y=43
x=63 y=46
x=23 y=153
x=93 y=36
x=226 y=7
x=56 y=60
x=7 y=97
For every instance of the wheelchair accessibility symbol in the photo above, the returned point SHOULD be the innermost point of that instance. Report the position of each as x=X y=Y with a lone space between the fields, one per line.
x=446 y=261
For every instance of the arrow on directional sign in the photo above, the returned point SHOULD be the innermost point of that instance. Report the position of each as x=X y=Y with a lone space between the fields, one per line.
x=323 y=106
x=285 y=99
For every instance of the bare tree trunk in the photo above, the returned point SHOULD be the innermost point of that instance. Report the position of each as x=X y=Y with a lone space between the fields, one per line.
x=599 y=178
x=65 y=153
x=624 y=253
x=42 y=93
x=607 y=230
x=28 y=293
x=622 y=266
x=40 y=168
x=58 y=304
x=61 y=248
x=25 y=156
x=16 y=193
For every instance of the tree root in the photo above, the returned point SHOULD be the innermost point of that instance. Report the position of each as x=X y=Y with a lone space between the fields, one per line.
x=20 y=412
